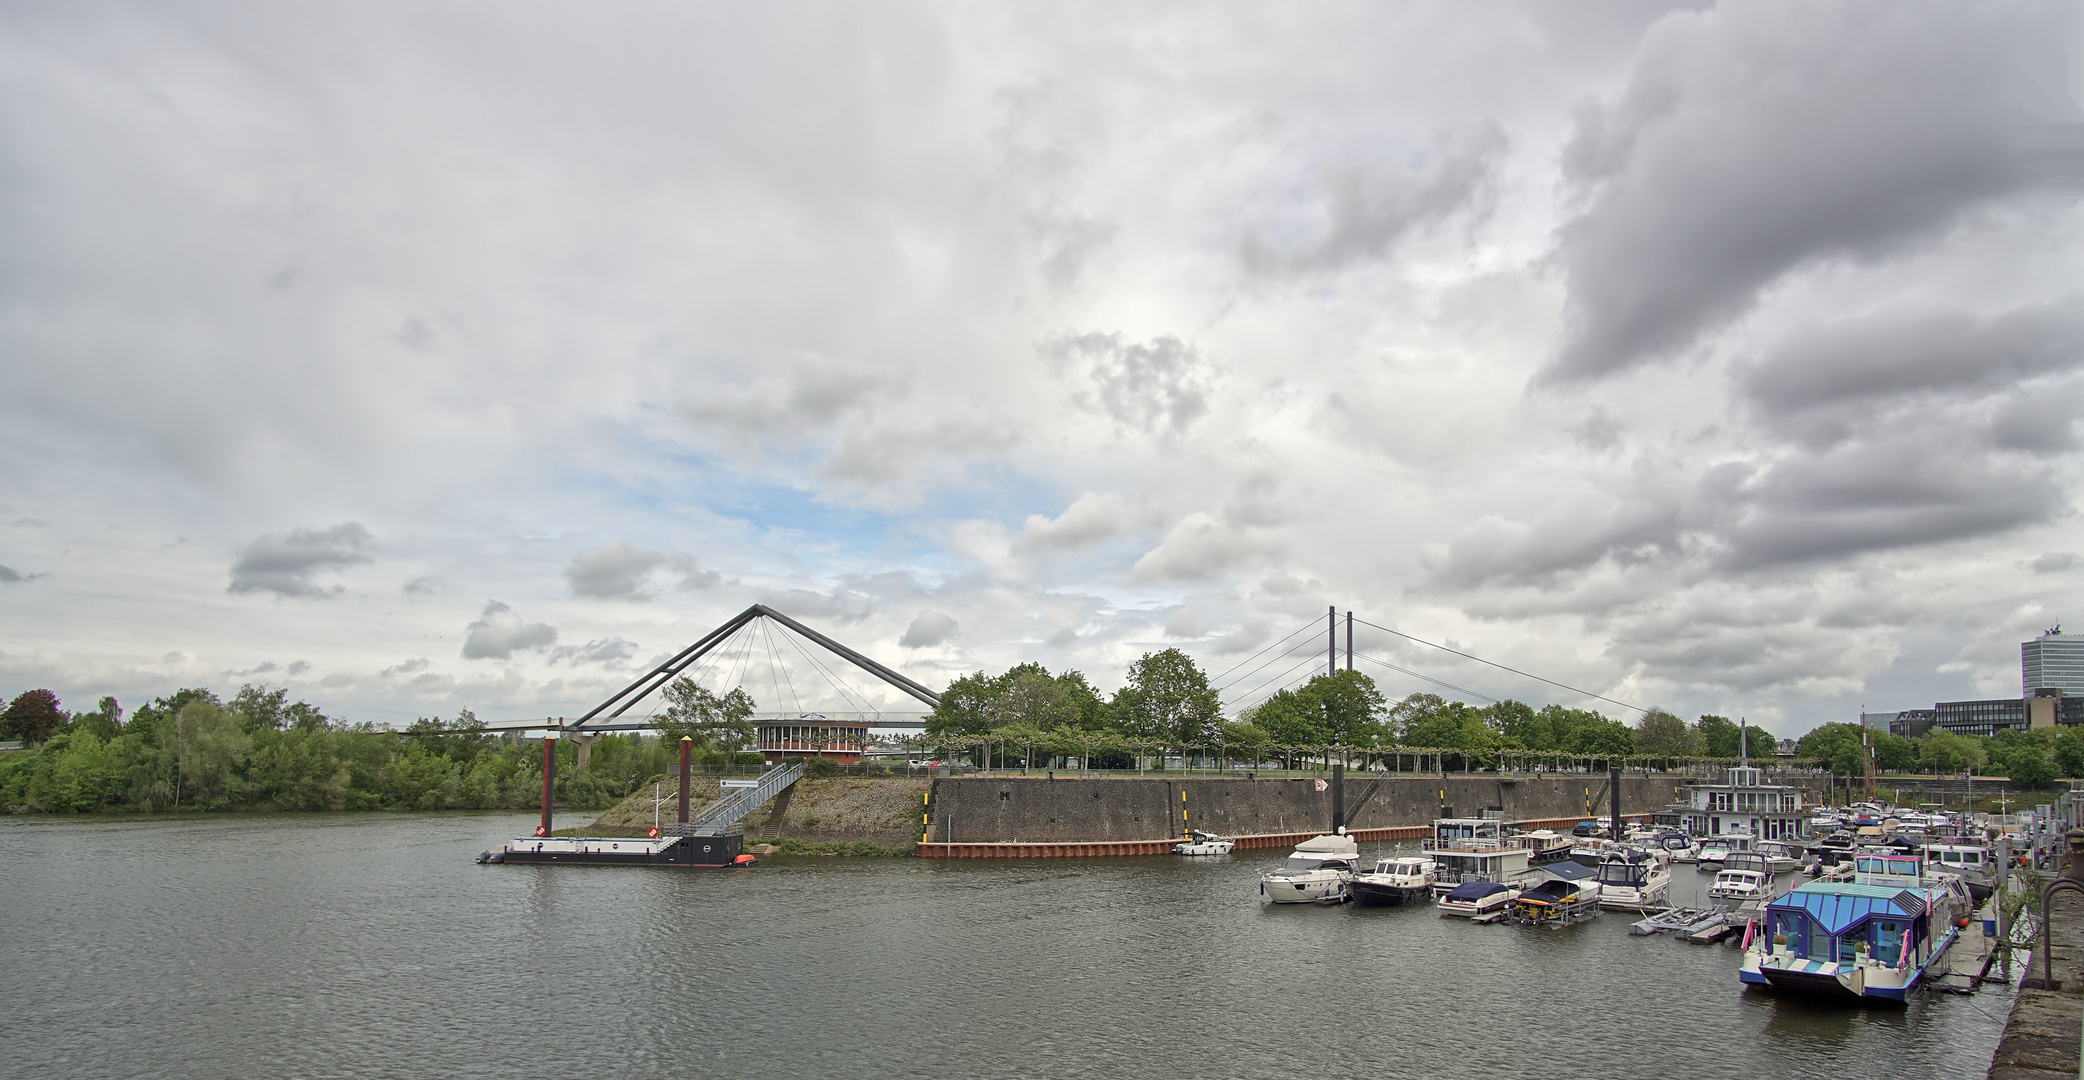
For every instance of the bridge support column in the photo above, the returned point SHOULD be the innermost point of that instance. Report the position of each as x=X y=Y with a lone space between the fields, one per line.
x=585 y=747
x=549 y=773
x=687 y=774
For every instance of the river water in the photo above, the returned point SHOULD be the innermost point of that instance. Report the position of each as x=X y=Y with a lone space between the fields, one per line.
x=372 y=945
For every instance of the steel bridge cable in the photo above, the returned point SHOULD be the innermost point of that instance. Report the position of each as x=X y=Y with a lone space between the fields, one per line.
x=773 y=657
x=1276 y=683
x=1311 y=625
x=1499 y=666
x=844 y=693
x=1283 y=680
x=1428 y=678
x=1307 y=646
x=1289 y=651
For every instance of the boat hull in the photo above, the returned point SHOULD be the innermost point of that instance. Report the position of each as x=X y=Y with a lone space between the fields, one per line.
x=1302 y=890
x=1371 y=894
x=694 y=851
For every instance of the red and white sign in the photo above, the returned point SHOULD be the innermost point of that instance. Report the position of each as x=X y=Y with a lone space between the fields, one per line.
x=1321 y=785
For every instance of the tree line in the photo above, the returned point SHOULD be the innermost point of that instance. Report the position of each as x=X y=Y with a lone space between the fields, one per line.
x=1167 y=701
x=259 y=750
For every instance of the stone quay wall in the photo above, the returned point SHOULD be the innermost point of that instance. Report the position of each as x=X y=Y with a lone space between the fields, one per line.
x=1081 y=810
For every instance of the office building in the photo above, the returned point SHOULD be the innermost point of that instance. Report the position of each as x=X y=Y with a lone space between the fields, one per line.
x=2052 y=661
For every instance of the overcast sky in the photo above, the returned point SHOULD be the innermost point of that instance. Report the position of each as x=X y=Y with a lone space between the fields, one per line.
x=427 y=356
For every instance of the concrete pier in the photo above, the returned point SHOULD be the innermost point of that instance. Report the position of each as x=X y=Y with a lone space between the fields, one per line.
x=2041 y=1037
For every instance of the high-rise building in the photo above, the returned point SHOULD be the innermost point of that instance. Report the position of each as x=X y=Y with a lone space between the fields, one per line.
x=2052 y=661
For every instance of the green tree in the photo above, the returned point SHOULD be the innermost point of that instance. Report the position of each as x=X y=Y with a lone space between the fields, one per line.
x=965 y=707
x=1289 y=719
x=32 y=716
x=1662 y=734
x=715 y=723
x=1838 y=745
x=2069 y=752
x=1893 y=753
x=105 y=722
x=152 y=720
x=1353 y=709
x=1720 y=736
x=1518 y=725
x=1946 y=752
x=1601 y=738
x=208 y=743
x=1168 y=699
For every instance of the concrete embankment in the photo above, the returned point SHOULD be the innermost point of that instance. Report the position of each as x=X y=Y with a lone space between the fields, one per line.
x=833 y=811
x=1034 y=816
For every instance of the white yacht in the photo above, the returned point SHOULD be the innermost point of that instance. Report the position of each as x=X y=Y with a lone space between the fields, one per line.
x=1742 y=885
x=1633 y=880
x=1316 y=872
x=1203 y=844
x=1782 y=856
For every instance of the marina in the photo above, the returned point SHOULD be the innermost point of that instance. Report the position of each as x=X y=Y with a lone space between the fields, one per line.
x=971 y=967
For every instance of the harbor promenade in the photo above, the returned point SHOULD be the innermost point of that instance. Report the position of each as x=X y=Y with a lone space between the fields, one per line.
x=2041 y=1037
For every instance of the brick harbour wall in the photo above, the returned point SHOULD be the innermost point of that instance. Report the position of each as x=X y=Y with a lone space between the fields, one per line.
x=1036 y=810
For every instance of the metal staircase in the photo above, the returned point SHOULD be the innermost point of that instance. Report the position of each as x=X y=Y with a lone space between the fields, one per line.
x=718 y=819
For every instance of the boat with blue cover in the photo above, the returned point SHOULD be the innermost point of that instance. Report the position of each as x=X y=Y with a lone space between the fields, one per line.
x=1874 y=937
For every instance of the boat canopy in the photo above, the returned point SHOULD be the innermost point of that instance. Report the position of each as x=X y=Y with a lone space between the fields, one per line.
x=1569 y=871
x=1475 y=890
x=1329 y=846
x=1845 y=906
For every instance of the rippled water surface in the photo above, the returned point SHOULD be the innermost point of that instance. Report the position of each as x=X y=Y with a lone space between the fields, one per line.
x=372 y=945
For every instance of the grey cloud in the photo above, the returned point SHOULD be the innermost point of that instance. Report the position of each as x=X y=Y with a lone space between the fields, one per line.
x=1157 y=387
x=1366 y=211
x=423 y=586
x=1905 y=352
x=1184 y=624
x=299 y=667
x=619 y=571
x=2056 y=561
x=1756 y=139
x=498 y=634
x=263 y=668
x=285 y=563
x=1197 y=548
x=1880 y=495
x=1064 y=638
x=2042 y=423
x=928 y=628
x=9 y=576
x=841 y=605
x=409 y=667
x=607 y=652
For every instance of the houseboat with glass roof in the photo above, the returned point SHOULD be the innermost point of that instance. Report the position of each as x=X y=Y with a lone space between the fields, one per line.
x=1873 y=937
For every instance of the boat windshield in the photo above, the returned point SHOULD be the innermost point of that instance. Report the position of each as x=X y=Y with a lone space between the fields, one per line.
x=1295 y=863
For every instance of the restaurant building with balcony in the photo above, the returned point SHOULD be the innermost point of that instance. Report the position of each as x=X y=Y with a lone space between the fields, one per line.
x=811 y=736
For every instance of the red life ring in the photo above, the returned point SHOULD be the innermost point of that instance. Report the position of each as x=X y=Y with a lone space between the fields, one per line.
x=653 y=832
x=540 y=831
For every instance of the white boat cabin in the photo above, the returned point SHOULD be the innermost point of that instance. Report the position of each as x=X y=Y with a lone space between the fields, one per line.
x=1745 y=803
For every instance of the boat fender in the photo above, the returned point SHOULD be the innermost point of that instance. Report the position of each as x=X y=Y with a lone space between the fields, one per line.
x=1961 y=923
x=653 y=832
x=744 y=860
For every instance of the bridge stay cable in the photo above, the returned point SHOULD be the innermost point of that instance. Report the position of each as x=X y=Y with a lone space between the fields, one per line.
x=1307 y=645
x=1225 y=673
x=1499 y=666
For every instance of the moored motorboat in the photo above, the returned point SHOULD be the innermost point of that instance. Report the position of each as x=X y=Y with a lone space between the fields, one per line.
x=1557 y=901
x=1480 y=900
x=1633 y=880
x=1742 y=885
x=1204 y=844
x=1394 y=882
x=1316 y=872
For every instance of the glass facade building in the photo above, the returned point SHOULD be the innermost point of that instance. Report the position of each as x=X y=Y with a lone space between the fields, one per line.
x=2053 y=661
